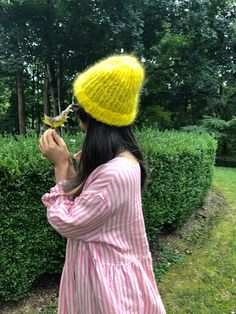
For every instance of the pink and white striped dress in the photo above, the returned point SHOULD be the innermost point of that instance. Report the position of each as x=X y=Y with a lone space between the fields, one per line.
x=108 y=265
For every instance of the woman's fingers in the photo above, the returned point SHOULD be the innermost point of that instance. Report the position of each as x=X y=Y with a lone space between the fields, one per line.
x=53 y=147
x=45 y=141
x=47 y=137
x=59 y=141
x=78 y=155
x=50 y=138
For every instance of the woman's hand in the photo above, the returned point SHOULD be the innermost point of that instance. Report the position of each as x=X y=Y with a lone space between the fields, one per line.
x=78 y=155
x=54 y=149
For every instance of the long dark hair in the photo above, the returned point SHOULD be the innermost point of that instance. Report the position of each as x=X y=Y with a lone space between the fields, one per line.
x=101 y=144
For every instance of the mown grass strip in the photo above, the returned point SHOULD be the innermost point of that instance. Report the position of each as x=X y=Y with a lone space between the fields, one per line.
x=204 y=282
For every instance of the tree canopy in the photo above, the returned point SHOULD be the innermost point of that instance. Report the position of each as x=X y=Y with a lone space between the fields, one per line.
x=188 y=48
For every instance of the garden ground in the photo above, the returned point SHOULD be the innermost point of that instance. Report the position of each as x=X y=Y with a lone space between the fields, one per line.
x=195 y=266
x=205 y=281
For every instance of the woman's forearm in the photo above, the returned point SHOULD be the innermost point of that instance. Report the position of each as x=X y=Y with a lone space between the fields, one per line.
x=64 y=171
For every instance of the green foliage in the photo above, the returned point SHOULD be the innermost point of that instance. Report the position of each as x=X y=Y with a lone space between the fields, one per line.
x=181 y=167
x=166 y=260
x=28 y=245
x=188 y=48
x=8 y=108
x=156 y=116
x=224 y=132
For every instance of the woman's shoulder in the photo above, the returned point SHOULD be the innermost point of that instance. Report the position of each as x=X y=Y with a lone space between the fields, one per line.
x=118 y=168
x=116 y=174
x=118 y=165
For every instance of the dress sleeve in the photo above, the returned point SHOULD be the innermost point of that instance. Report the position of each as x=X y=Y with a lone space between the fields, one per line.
x=79 y=218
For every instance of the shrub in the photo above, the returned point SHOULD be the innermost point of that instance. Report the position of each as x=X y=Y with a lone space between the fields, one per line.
x=181 y=166
x=181 y=171
x=226 y=161
x=29 y=246
x=224 y=132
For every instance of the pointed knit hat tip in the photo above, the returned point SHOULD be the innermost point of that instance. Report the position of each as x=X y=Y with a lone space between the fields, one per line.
x=109 y=91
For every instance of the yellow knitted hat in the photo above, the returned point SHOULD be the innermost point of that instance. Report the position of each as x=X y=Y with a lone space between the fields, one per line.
x=109 y=90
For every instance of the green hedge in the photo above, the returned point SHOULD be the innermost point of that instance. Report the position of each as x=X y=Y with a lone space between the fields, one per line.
x=28 y=245
x=181 y=175
x=181 y=166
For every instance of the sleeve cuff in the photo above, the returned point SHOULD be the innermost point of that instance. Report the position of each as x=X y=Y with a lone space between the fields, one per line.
x=54 y=193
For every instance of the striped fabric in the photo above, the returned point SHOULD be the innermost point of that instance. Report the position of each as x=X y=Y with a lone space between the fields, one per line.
x=108 y=265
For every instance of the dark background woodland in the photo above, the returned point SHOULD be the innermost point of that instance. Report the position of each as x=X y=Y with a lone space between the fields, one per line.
x=188 y=48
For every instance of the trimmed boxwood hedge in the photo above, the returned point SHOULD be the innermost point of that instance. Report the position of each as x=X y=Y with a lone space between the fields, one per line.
x=181 y=167
x=28 y=245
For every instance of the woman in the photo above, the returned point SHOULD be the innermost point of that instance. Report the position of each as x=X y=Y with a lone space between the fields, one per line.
x=108 y=265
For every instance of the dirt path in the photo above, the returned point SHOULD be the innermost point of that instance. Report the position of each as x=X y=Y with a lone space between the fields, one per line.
x=42 y=298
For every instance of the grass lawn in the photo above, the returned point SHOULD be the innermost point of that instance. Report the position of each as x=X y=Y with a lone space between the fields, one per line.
x=205 y=281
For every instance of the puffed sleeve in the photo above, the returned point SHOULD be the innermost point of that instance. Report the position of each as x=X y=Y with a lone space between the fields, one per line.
x=79 y=218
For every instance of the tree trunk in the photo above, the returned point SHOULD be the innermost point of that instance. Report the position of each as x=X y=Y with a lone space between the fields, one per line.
x=38 y=87
x=223 y=106
x=46 y=103
x=59 y=88
x=33 y=100
x=21 y=101
x=52 y=85
x=59 y=81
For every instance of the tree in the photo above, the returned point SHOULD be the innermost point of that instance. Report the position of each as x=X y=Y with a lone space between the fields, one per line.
x=189 y=57
x=188 y=48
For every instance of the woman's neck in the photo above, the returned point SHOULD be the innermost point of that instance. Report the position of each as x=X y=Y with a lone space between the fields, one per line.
x=130 y=157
